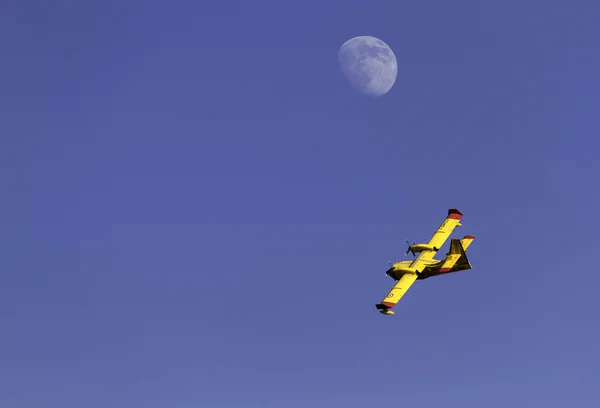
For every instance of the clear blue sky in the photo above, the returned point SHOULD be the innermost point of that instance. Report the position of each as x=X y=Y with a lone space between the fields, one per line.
x=198 y=209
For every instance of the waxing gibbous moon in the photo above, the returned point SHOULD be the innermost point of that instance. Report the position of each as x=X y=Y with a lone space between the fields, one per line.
x=369 y=64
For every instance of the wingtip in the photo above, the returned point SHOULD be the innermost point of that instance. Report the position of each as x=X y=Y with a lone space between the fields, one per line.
x=384 y=305
x=385 y=308
x=454 y=214
x=469 y=237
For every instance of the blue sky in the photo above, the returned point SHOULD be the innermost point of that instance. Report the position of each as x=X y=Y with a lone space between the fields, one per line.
x=198 y=209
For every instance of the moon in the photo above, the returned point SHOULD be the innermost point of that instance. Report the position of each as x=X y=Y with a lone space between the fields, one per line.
x=369 y=64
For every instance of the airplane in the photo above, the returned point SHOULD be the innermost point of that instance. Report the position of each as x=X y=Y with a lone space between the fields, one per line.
x=424 y=266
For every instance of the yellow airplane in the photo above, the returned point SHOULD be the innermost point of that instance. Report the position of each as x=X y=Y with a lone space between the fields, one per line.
x=424 y=265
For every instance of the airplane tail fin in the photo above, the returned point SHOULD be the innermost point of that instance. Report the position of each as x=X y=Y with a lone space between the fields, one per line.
x=457 y=256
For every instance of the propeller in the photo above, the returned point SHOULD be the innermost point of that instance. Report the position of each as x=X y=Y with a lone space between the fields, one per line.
x=409 y=248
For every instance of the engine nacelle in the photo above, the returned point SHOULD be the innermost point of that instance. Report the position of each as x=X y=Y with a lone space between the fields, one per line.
x=399 y=269
x=423 y=247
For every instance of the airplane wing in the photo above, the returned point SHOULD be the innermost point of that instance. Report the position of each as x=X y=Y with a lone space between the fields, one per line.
x=396 y=293
x=443 y=232
x=421 y=261
x=438 y=239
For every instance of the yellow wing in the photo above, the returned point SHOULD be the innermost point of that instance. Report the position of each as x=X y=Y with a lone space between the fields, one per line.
x=437 y=240
x=421 y=261
x=396 y=293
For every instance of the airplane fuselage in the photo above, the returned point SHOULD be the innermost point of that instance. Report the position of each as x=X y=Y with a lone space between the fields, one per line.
x=403 y=267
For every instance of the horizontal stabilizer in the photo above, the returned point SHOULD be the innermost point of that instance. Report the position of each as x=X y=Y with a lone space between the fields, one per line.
x=466 y=241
